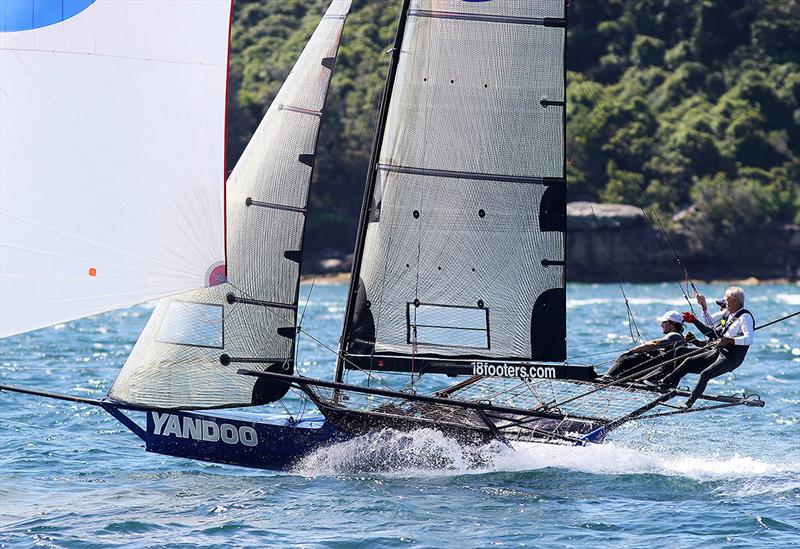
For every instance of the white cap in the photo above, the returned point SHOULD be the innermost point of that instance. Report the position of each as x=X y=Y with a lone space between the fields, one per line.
x=673 y=316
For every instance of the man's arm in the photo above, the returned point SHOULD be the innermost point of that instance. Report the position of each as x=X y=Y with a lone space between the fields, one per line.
x=705 y=330
x=644 y=347
x=654 y=344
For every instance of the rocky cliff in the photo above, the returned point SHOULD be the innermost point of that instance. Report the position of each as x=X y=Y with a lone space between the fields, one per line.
x=602 y=237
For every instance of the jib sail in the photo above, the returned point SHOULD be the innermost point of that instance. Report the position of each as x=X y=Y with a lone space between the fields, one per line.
x=461 y=244
x=194 y=343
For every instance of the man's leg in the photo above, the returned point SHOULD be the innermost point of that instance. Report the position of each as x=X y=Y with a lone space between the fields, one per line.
x=624 y=363
x=726 y=362
x=668 y=363
x=692 y=365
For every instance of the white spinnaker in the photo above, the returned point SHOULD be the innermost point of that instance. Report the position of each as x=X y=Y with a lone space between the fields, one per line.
x=177 y=362
x=112 y=132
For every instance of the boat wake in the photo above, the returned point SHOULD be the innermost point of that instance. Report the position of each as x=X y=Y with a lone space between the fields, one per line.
x=427 y=452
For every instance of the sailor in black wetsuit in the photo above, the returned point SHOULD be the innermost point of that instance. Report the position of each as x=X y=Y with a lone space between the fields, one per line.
x=647 y=355
x=727 y=353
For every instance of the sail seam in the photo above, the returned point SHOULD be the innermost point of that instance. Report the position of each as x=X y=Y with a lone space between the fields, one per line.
x=543 y=21
x=300 y=110
x=472 y=175
x=114 y=56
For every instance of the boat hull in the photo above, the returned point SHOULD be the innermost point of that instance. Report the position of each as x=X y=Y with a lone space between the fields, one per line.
x=279 y=444
x=264 y=444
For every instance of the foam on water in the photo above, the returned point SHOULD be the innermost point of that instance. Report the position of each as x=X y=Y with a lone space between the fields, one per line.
x=426 y=452
x=789 y=299
x=664 y=300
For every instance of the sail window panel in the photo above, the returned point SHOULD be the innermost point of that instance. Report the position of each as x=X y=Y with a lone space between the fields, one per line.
x=197 y=324
x=164 y=374
x=449 y=254
x=448 y=326
x=468 y=95
x=505 y=8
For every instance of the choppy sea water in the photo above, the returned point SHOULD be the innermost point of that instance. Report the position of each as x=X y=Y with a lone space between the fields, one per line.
x=70 y=476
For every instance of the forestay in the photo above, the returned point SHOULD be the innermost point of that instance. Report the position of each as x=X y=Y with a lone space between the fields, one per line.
x=188 y=354
x=112 y=117
x=462 y=251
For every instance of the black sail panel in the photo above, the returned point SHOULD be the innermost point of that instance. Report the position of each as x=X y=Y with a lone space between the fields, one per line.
x=463 y=247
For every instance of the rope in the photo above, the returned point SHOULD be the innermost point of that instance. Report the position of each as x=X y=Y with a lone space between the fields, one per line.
x=598 y=354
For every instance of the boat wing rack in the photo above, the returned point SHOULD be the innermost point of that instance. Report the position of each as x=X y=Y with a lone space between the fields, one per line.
x=540 y=410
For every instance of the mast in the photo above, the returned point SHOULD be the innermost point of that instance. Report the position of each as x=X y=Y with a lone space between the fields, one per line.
x=369 y=189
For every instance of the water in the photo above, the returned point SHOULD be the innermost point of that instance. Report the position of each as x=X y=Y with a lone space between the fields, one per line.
x=70 y=476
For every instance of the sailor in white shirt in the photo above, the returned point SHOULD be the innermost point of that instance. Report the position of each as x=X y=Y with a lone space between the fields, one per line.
x=729 y=351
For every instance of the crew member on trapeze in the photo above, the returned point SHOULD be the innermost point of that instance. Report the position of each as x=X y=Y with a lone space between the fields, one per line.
x=726 y=353
x=644 y=357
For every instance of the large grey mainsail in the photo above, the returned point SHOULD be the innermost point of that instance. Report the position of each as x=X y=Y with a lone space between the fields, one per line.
x=461 y=250
x=194 y=343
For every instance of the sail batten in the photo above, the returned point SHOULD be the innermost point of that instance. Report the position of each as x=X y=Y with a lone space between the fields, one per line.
x=462 y=248
x=547 y=22
x=472 y=175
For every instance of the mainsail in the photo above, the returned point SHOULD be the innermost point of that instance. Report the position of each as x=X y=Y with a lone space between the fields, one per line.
x=461 y=245
x=112 y=132
x=194 y=343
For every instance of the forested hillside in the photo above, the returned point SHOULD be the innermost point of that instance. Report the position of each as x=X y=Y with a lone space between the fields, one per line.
x=695 y=101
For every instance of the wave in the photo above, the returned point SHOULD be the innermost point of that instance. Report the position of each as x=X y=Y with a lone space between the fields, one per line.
x=782 y=298
x=788 y=299
x=670 y=301
x=426 y=452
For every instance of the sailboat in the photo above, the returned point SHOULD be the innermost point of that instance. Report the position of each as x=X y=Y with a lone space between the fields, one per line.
x=459 y=264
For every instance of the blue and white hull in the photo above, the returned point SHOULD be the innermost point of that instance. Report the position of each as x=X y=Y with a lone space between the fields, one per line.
x=237 y=439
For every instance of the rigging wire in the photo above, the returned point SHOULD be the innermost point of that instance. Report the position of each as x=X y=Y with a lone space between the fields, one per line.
x=339 y=354
x=598 y=354
x=777 y=320
x=631 y=319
